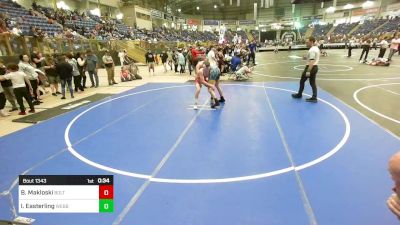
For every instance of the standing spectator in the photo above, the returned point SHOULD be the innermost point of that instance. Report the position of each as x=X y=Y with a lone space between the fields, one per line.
x=8 y=89
x=109 y=64
x=75 y=72
x=175 y=60
x=164 y=58
x=182 y=61
x=19 y=81
x=36 y=58
x=170 y=55
x=3 y=30
x=81 y=67
x=121 y=56
x=52 y=76
x=384 y=46
x=92 y=68
x=189 y=59
x=25 y=66
x=394 y=46
x=211 y=57
x=150 y=60
x=64 y=69
x=394 y=169
x=2 y=103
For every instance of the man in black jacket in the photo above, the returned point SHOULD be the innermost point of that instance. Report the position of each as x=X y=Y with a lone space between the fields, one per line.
x=64 y=70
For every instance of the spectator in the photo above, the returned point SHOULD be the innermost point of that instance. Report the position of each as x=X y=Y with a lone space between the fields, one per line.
x=8 y=89
x=122 y=56
x=26 y=67
x=51 y=73
x=182 y=61
x=16 y=31
x=394 y=46
x=109 y=64
x=92 y=68
x=164 y=58
x=75 y=72
x=150 y=60
x=19 y=81
x=64 y=69
x=81 y=67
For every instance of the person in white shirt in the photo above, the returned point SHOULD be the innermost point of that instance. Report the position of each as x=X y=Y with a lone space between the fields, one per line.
x=18 y=80
x=121 y=56
x=384 y=46
x=16 y=31
x=310 y=71
x=211 y=57
x=25 y=66
x=394 y=45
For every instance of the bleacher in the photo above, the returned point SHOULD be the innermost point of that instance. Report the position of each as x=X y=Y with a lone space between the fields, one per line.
x=321 y=30
x=368 y=26
x=390 y=26
x=344 y=28
x=14 y=11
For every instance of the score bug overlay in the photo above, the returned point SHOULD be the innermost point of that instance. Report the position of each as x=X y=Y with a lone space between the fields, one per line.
x=66 y=194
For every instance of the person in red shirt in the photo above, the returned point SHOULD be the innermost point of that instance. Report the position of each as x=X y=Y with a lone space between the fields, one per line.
x=198 y=54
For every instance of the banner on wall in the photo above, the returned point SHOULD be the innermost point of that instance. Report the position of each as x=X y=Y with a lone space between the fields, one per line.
x=361 y=12
x=335 y=15
x=193 y=22
x=247 y=22
x=317 y=17
x=156 y=14
x=210 y=22
x=228 y=22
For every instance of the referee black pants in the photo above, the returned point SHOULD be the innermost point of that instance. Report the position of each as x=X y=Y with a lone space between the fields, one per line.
x=313 y=75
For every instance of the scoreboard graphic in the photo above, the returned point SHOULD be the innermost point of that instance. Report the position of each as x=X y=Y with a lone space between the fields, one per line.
x=66 y=194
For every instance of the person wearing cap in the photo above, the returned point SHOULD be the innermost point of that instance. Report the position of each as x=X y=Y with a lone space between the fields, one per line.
x=109 y=64
x=150 y=60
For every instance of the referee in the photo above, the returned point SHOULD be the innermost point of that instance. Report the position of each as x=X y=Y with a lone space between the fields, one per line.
x=311 y=70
